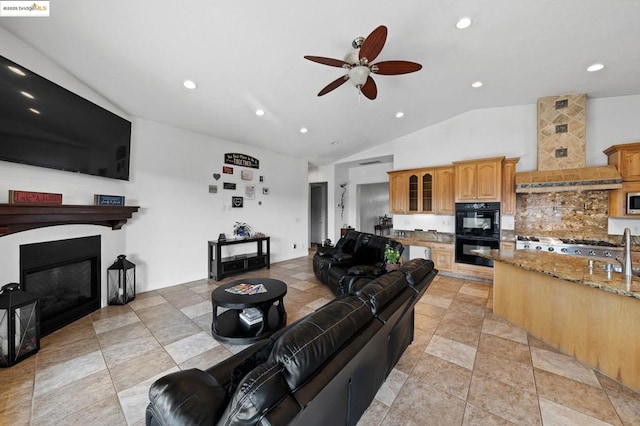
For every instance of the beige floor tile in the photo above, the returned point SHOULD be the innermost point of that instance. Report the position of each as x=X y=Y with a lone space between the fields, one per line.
x=135 y=399
x=391 y=386
x=64 y=373
x=207 y=359
x=443 y=375
x=472 y=290
x=198 y=309
x=459 y=333
x=563 y=365
x=507 y=371
x=426 y=405
x=147 y=302
x=475 y=416
x=625 y=400
x=505 y=330
x=374 y=414
x=139 y=369
x=508 y=402
x=557 y=414
x=452 y=351
x=318 y=303
x=53 y=406
x=111 y=323
x=191 y=346
x=504 y=348
x=439 y=301
x=126 y=343
x=576 y=395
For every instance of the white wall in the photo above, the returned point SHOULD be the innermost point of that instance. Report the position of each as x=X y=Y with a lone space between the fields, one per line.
x=171 y=170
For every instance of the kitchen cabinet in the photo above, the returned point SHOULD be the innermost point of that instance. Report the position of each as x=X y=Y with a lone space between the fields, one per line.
x=444 y=195
x=478 y=180
x=443 y=257
x=476 y=271
x=618 y=200
x=508 y=203
x=426 y=191
x=398 y=192
x=626 y=158
x=420 y=252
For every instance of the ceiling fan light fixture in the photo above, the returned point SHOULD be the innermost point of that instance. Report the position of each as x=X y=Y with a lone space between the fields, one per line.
x=189 y=84
x=463 y=23
x=477 y=84
x=358 y=75
x=259 y=112
x=352 y=57
x=399 y=114
x=303 y=130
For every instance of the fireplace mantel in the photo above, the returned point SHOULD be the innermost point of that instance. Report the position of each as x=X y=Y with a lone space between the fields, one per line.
x=22 y=217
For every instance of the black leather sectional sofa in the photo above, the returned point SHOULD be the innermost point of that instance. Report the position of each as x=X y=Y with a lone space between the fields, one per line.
x=322 y=369
x=356 y=255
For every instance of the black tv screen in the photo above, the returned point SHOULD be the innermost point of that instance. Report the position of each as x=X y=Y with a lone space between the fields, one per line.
x=44 y=124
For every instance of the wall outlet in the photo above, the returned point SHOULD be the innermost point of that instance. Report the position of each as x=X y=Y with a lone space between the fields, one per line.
x=295 y=245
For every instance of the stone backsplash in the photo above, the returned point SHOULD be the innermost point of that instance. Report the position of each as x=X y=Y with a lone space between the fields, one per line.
x=580 y=215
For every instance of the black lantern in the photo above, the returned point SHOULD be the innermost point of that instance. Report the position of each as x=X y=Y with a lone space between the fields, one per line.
x=19 y=325
x=121 y=281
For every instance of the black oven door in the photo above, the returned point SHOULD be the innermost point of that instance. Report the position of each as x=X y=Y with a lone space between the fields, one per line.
x=478 y=220
x=465 y=247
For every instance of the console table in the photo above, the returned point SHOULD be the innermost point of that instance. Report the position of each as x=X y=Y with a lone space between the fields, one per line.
x=221 y=267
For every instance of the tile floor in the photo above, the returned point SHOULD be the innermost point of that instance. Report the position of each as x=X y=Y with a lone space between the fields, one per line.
x=465 y=366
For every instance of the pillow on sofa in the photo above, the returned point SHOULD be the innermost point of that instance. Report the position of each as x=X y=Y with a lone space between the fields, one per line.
x=310 y=343
x=366 y=270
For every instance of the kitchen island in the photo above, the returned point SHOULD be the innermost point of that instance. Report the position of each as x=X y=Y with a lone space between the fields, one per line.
x=591 y=314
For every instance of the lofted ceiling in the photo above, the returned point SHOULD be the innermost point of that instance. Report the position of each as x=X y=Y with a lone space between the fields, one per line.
x=248 y=55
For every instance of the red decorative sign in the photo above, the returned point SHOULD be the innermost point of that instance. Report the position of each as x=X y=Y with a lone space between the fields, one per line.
x=27 y=197
x=228 y=170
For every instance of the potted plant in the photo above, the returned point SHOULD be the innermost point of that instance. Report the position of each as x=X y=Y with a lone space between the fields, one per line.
x=242 y=230
x=391 y=258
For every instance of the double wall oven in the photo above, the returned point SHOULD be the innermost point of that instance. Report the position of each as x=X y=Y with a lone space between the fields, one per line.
x=477 y=227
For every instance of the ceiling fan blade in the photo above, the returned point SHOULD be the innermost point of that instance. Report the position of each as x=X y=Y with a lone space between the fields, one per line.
x=326 y=61
x=373 y=44
x=396 y=67
x=333 y=85
x=370 y=90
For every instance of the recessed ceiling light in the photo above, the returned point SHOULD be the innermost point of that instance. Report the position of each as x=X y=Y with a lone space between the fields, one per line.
x=27 y=95
x=259 y=112
x=17 y=70
x=595 y=67
x=33 y=110
x=399 y=114
x=476 y=84
x=189 y=84
x=304 y=130
x=463 y=23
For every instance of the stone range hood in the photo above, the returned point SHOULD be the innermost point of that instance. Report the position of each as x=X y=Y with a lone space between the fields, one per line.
x=562 y=180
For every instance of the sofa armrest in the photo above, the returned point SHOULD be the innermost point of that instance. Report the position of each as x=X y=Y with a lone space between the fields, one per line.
x=223 y=371
x=187 y=397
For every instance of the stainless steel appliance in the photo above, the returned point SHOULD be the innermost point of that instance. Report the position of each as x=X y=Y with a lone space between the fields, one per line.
x=633 y=202
x=575 y=247
x=477 y=227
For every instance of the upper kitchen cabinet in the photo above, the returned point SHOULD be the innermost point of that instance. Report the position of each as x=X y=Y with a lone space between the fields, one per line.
x=444 y=194
x=626 y=158
x=398 y=192
x=478 y=180
x=508 y=205
x=427 y=191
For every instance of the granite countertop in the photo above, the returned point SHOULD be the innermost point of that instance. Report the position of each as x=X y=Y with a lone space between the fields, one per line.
x=570 y=268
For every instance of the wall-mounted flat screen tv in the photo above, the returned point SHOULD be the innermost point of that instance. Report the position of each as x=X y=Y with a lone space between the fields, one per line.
x=44 y=124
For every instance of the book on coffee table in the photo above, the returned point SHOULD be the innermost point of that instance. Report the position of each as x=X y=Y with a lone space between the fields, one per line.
x=251 y=316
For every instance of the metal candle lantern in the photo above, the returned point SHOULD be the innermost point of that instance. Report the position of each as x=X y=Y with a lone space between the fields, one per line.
x=121 y=281
x=19 y=325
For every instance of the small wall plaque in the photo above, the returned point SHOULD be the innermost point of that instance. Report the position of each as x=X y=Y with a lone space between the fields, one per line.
x=227 y=170
x=247 y=175
x=213 y=189
x=237 y=202
x=108 y=200
x=563 y=103
x=562 y=128
x=228 y=185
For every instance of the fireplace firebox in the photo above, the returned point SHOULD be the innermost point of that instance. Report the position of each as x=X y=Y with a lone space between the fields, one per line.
x=65 y=276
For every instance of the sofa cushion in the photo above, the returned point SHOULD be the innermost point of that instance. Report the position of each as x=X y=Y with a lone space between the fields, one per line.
x=243 y=368
x=382 y=290
x=258 y=391
x=178 y=398
x=370 y=270
x=416 y=270
x=308 y=344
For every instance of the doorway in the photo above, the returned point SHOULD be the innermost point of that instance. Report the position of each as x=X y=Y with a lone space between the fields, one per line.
x=317 y=213
x=373 y=202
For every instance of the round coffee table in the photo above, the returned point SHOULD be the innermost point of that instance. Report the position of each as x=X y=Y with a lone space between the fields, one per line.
x=229 y=328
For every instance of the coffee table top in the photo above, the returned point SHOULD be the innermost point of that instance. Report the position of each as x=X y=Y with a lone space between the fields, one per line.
x=276 y=289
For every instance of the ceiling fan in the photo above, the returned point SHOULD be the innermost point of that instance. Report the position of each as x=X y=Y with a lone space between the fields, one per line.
x=359 y=64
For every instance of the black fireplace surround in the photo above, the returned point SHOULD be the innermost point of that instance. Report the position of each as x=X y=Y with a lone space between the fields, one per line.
x=65 y=275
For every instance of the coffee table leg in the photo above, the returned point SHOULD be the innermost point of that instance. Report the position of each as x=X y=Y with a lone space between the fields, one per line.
x=214 y=320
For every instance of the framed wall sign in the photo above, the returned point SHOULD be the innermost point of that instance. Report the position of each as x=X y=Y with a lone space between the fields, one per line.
x=227 y=170
x=241 y=160
x=228 y=185
x=250 y=192
x=237 y=202
x=247 y=174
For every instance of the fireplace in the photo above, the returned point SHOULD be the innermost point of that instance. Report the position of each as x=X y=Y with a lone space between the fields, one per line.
x=65 y=275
